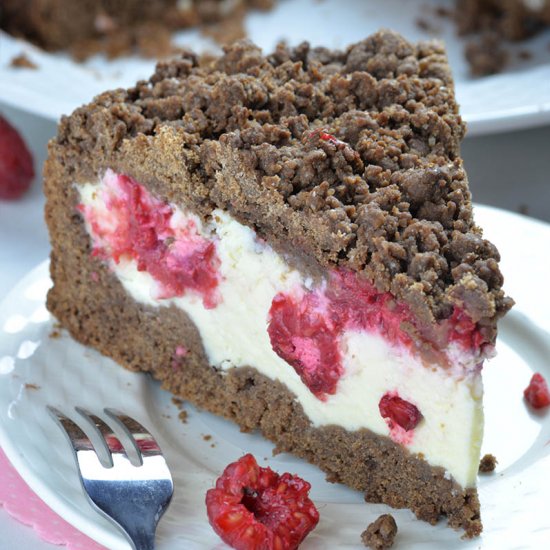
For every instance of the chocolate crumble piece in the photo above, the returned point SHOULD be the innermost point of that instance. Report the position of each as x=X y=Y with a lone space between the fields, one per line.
x=427 y=25
x=177 y=402
x=442 y=11
x=494 y=24
x=487 y=464
x=525 y=55
x=380 y=534
x=22 y=61
x=511 y=19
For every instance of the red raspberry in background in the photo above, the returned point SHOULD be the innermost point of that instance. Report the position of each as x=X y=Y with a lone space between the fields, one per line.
x=16 y=165
x=254 y=508
x=537 y=393
x=401 y=412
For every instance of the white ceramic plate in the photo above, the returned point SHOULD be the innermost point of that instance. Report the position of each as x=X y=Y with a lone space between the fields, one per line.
x=517 y=98
x=37 y=369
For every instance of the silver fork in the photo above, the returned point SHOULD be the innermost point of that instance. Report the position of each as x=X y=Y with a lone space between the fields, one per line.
x=131 y=486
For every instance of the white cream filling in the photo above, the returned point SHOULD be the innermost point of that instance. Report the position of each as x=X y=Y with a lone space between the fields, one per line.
x=234 y=333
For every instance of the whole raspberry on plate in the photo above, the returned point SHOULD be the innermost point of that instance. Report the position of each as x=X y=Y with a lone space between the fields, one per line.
x=16 y=165
x=537 y=393
x=254 y=508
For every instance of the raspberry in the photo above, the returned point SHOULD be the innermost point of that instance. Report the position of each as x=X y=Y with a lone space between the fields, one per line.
x=399 y=411
x=16 y=165
x=305 y=331
x=465 y=331
x=301 y=333
x=254 y=508
x=357 y=304
x=537 y=394
x=142 y=227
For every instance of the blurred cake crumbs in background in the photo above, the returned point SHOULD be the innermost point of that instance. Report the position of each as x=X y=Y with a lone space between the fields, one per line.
x=123 y=27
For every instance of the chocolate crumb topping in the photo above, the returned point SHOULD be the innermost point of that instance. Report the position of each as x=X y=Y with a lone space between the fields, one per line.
x=385 y=195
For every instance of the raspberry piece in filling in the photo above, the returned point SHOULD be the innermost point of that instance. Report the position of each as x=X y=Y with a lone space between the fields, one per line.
x=537 y=393
x=255 y=508
x=305 y=331
x=163 y=243
x=465 y=331
x=398 y=411
x=305 y=328
x=357 y=305
x=302 y=333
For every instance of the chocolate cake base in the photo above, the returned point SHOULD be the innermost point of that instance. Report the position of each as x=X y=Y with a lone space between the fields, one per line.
x=90 y=302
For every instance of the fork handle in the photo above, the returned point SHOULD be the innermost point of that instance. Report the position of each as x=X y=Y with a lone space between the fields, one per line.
x=135 y=507
x=143 y=540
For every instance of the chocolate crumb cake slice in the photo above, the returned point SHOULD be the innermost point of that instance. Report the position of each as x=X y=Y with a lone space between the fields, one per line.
x=287 y=241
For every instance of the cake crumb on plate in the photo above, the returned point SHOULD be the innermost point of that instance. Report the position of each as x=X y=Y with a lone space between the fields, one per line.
x=380 y=534
x=487 y=464
x=22 y=61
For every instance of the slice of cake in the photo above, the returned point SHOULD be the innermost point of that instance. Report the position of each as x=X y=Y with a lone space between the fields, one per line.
x=287 y=241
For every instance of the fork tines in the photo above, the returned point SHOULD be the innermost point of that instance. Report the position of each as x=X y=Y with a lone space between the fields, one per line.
x=129 y=483
x=103 y=439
